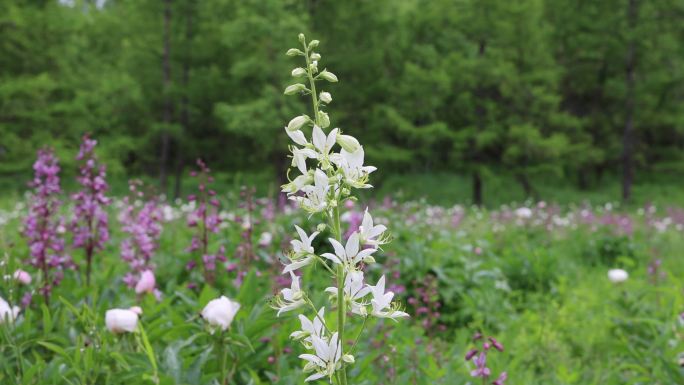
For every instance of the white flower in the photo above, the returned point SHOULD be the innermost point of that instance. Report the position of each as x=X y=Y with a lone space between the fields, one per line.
x=299 y=157
x=292 y=298
x=325 y=97
x=8 y=313
x=220 y=312
x=265 y=239
x=327 y=357
x=310 y=328
x=297 y=136
x=382 y=302
x=302 y=250
x=323 y=143
x=121 y=320
x=354 y=291
x=351 y=163
x=369 y=233
x=297 y=122
x=349 y=255
x=523 y=212
x=298 y=183
x=316 y=199
x=617 y=275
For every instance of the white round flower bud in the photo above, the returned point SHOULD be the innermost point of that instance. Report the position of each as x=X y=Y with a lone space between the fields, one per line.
x=329 y=76
x=297 y=122
x=298 y=72
x=348 y=142
x=325 y=97
x=294 y=88
x=220 y=312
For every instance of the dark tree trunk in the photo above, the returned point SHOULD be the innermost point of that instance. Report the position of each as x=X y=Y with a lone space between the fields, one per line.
x=628 y=137
x=582 y=181
x=480 y=111
x=528 y=190
x=185 y=101
x=168 y=106
x=477 y=188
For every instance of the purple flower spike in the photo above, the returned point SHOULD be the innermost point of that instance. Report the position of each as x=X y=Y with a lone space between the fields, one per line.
x=43 y=229
x=205 y=219
x=90 y=223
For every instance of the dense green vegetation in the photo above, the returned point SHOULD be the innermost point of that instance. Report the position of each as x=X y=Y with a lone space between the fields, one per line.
x=577 y=90
x=537 y=283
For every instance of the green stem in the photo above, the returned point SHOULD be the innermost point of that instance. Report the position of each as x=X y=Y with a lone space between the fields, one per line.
x=223 y=358
x=312 y=84
x=363 y=327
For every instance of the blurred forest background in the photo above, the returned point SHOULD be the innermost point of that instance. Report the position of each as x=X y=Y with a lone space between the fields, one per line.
x=525 y=93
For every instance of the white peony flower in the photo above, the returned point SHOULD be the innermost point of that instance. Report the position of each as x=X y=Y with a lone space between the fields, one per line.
x=8 y=313
x=617 y=275
x=220 y=312
x=121 y=320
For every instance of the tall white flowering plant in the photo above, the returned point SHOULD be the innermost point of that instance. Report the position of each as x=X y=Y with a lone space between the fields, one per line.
x=330 y=168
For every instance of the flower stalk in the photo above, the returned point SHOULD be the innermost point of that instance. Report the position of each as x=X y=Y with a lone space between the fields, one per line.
x=331 y=167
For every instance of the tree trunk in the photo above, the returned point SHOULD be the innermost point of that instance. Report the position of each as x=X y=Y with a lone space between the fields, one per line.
x=168 y=106
x=477 y=188
x=528 y=190
x=185 y=101
x=479 y=108
x=628 y=139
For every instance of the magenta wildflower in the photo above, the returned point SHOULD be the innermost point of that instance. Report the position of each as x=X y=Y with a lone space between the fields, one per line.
x=141 y=222
x=43 y=229
x=205 y=218
x=481 y=369
x=480 y=361
x=90 y=223
x=500 y=380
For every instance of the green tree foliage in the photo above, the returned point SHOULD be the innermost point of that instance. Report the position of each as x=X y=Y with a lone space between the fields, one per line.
x=529 y=88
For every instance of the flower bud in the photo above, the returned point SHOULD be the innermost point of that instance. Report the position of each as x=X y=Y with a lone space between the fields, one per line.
x=325 y=97
x=348 y=358
x=315 y=56
x=348 y=142
x=294 y=52
x=297 y=122
x=498 y=345
x=301 y=38
x=321 y=227
x=219 y=313
x=471 y=353
x=313 y=44
x=368 y=260
x=298 y=72
x=294 y=88
x=324 y=119
x=329 y=76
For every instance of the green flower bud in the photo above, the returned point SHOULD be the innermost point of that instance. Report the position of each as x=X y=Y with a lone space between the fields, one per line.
x=301 y=38
x=315 y=56
x=348 y=142
x=298 y=72
x=297 y=122
x=325 y=97
x=313 y=44
x=348 y=358
x=294 y=52
x=321 y=227
x=369 y=260
x=329 y=76
x=324 y=119
x=294 y=88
